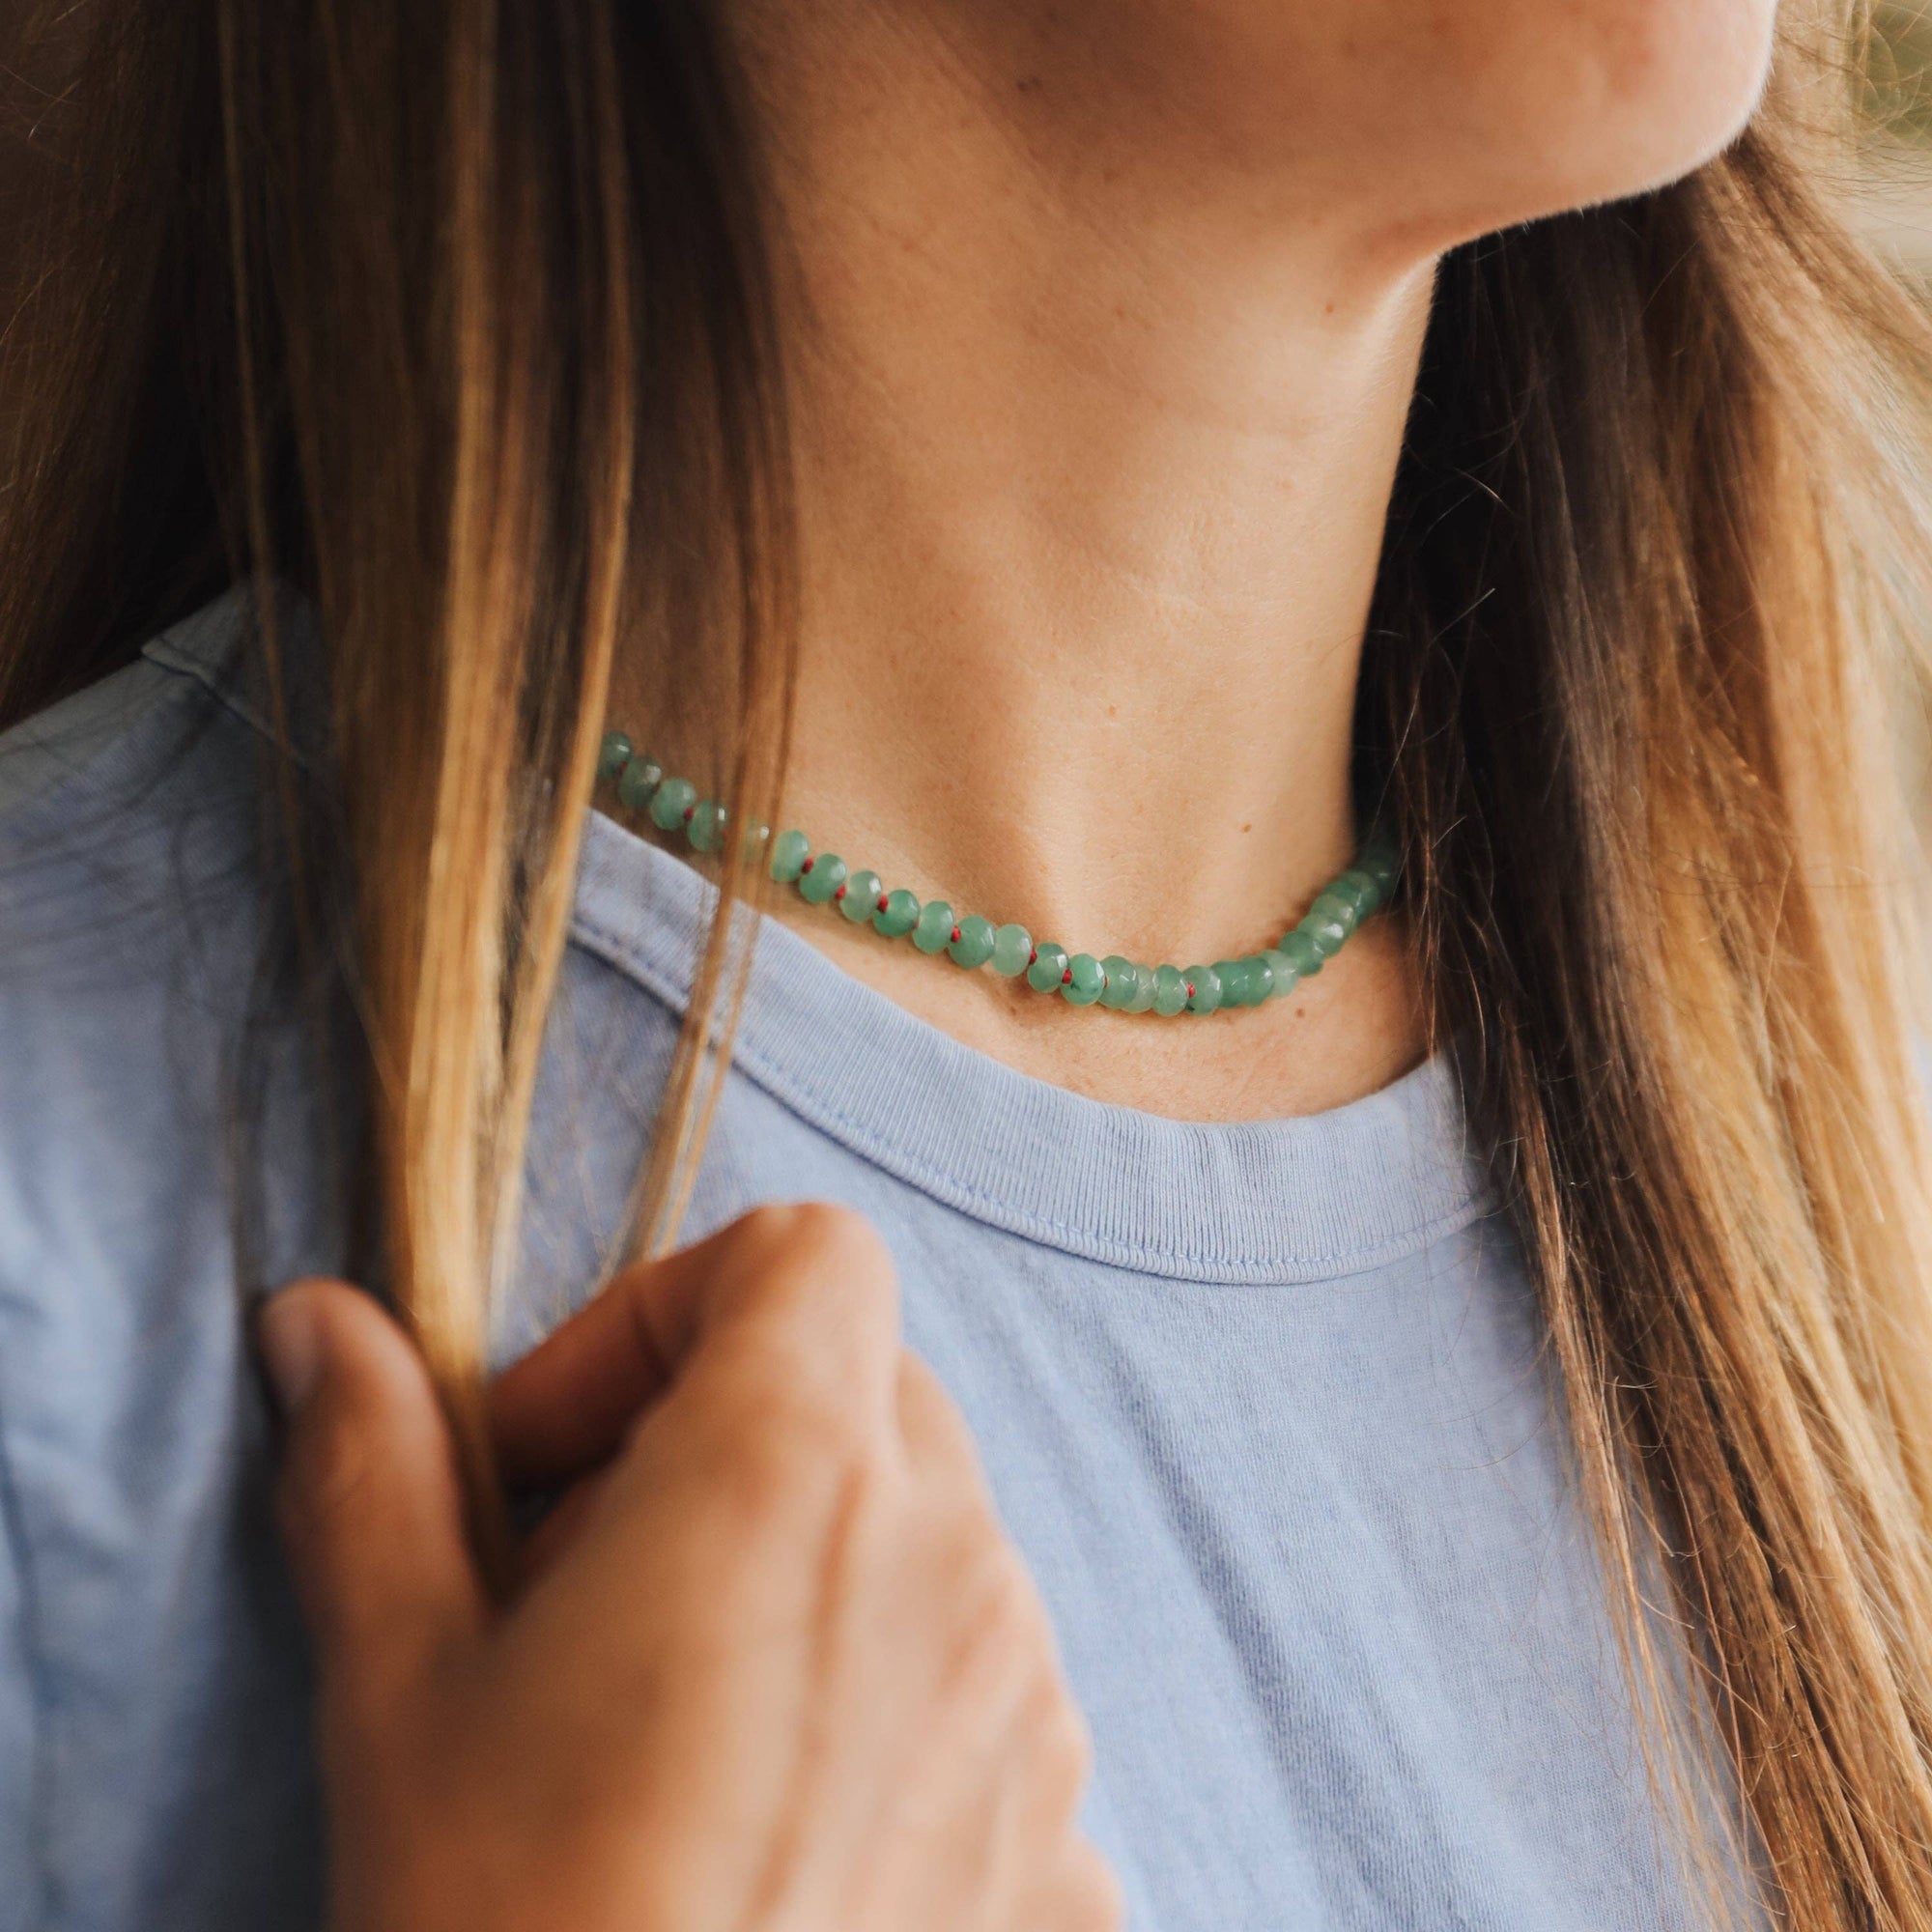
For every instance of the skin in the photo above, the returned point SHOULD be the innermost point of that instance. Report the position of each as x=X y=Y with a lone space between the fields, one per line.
x=1105 y=322
x=774 y=1667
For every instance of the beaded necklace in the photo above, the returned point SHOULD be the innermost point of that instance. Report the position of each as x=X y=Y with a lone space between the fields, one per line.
x=823 y=878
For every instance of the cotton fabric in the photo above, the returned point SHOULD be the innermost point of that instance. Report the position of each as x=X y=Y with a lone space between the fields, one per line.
x=1265 y=1405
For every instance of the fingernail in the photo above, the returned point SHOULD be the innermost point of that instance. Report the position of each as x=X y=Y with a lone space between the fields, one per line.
x=289 y=1342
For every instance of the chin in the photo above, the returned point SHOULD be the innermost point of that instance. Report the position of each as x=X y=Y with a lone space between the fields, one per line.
x=1671 y=82
x=1542 y=107
x=1427 y=122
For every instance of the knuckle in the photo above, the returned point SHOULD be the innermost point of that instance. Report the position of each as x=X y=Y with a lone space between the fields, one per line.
x=758 y=1484
x=821 y=1247
x=1062 y=1749
x=831 y=1234
x=761 y=1231
x=936 y=1434
x=812 y=1429
x=1093 y=1901
x=816 y=1295
x=780 y=1455
x=808 y=1413
x=1003 y=1627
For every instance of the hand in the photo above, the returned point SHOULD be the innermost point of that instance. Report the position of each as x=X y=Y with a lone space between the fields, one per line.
x=778 y=1668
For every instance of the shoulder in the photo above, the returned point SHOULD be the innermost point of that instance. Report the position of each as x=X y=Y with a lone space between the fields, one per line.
x=119 y=756
x=136 y=937
x=163 y=1152
x=135 y=803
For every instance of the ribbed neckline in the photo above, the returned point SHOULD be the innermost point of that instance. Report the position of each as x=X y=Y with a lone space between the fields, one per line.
x=1251 y=1202
x=1282 y=1201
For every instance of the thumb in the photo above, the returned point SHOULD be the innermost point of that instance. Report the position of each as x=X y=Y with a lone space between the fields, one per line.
x=371 y=1511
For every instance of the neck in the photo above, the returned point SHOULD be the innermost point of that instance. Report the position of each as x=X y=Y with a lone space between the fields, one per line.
x=1092 y=478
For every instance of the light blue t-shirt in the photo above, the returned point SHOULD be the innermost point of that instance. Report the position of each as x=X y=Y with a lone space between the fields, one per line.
x=1265 y=1405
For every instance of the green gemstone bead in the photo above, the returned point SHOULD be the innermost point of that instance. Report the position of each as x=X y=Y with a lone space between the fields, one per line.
x=934 y=931
x=1144 y=990
x=789 y=852
x=638 y=780
x=974 y=944
x=898 y=916
x=1259 y=982
x=1206 y=993
x=1302 y=953
x=1283 y=978
x=1089 y=977
x=1328 y=935
x=1354 y=891
x=1332 y=909
x=1122 y=985
x=1013 y=950
x=613 y=754
x=1232 y=975
x=705 y=827
x=671 y=802
x=1170 y=991
x=820 y=877
x=1048 y=970
x=859 y=897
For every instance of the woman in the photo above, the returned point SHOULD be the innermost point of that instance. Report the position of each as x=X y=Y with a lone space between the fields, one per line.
x=775 y=1666
x=1452 y=1347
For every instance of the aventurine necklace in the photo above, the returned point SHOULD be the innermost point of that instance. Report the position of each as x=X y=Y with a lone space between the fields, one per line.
x=823 y=878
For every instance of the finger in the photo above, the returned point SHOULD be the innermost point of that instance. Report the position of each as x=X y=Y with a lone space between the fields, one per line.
x=934 y=1433
x=560 y=1525
x=809 y=1282
x=1051 y=1742
x=371 y=1511
x=1078 y=1894
x=565 y=1407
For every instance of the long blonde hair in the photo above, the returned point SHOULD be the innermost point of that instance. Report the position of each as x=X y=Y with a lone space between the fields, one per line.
x=459 y=316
